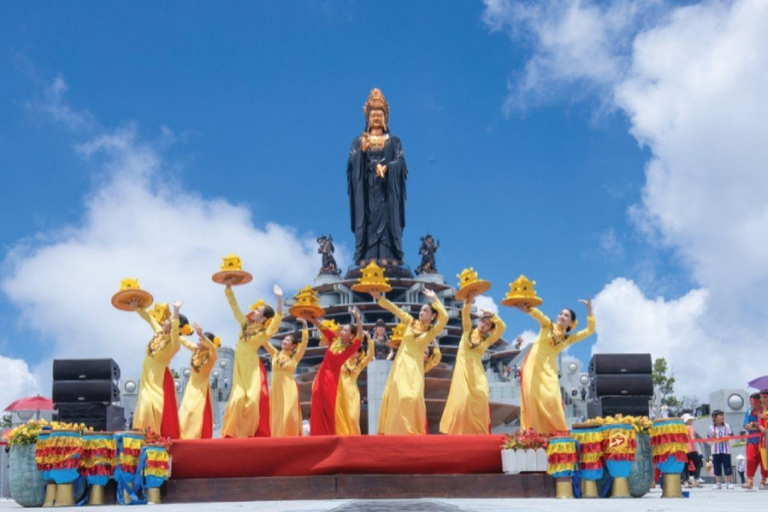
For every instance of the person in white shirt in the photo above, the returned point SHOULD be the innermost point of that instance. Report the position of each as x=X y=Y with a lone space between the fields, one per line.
x=741 y=468
x=721 y=450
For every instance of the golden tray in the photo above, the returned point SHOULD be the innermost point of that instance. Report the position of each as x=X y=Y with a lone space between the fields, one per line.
x=238 y=277
x=478 y=287
x=370 y=287
x=528 y=301
x=306 y=311
x=121 y=300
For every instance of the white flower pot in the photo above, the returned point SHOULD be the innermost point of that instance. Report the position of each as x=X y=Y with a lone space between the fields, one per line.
x=518 y=461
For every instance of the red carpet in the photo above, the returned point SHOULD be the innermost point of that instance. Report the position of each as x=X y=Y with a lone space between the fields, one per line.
x=329 y=455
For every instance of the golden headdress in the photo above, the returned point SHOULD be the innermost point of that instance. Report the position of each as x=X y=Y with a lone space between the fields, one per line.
x=160 y=312
x=376 y=101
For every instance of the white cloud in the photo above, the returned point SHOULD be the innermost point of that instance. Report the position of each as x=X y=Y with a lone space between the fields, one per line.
x=18 y=381
x=692 y=82
x=54 y=105
x=486 y=303
x=138 y=223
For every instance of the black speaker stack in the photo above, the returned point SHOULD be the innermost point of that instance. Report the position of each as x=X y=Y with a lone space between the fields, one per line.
x=620 y=384
x=86 y=391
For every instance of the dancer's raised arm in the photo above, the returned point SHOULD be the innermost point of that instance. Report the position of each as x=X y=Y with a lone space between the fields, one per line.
x=402 y=314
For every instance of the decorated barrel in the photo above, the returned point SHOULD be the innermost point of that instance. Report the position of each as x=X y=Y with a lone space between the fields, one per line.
x=669 y=446
x=619 y=446
x=99 y=461
x=591 y=467
x=127 y=474
x=563 y=460
x=41 y=456
x=61 y=459
x=156 y=469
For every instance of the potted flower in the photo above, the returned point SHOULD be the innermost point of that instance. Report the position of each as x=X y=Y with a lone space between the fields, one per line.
x=26 y=482
x=524 y=451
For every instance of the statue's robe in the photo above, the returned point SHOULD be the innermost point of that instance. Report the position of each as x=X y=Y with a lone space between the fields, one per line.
x=377 y=205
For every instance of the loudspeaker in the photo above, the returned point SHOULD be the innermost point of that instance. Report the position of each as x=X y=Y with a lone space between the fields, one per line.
x=85 y=369
x=110 y=418
x=620 y=363
x=625 y=405
x=621 y=384
x=85 y=391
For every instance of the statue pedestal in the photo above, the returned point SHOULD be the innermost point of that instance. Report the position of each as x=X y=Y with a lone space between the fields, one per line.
x=322 y=279
x=431 y=278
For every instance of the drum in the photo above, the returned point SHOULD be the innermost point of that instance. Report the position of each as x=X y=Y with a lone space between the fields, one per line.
x=669 y=446
x=563 y=462
x=99 y=461
x=42 y=465
x=129 y=446
x=591 y=467
x=156 y=470
x=62 y=458
x=619 y=446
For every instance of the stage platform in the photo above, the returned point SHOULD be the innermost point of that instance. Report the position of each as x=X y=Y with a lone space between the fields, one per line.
x=358 y=467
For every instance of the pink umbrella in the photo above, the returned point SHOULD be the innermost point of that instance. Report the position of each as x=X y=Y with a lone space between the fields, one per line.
x=759 y=383
x=31 y=403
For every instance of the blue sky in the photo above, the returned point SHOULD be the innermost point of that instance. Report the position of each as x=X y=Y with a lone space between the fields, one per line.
x=256 y=105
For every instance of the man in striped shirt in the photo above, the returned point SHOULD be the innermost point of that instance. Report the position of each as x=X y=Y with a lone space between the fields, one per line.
x=721 y=450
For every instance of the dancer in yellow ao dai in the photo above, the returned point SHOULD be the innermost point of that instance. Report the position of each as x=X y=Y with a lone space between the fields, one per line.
x=467 y=407
x=541 y=406
x=348 y=395
x=156 y=404
x=403 y=411
x=241 y=416
x=196 y=411
x=284 y=406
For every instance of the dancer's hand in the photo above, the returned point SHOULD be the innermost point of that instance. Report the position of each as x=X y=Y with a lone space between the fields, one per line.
x=484 y=312
x=375 y=294
x=176 y=307
x=587 y=303
x=525 y=308
x=198 y=329
x=430 y=294
x=277 y=291
x=303 y=322
x=471 y=296
x=134 y=303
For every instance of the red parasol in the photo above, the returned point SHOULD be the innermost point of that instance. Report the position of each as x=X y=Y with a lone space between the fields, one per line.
x=31 y=403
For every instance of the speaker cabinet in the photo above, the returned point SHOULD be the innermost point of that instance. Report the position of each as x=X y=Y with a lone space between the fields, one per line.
x=110 y=418
x=613 y=405
x=85 y=391
x=620 y=363
x=85 y=369
x=622 y=384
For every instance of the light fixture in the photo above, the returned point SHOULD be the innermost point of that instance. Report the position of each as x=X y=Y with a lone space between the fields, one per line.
x=735 y=402
x=129 y=386
x=186 y=372
x=223 y=363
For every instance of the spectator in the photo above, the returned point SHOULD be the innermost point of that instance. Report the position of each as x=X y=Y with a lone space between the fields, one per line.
x=691 y=476
x=721 y=450
x=380 y=339
x=741 y=468
x=583 y=394
x=226 y=382
x=754 y=458
x=519 y=343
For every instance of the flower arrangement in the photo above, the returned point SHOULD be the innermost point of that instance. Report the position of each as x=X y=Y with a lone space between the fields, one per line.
x=525 y=440
x=27 y=433
x=155 y=438
x=641 y=424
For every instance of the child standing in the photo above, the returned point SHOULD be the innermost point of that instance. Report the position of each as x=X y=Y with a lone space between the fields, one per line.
x=721 y=450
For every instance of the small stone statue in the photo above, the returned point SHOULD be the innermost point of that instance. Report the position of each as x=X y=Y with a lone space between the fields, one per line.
x=327 y=249
x=427 y=251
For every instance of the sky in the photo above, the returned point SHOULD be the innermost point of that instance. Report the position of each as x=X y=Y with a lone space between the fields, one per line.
x=612 y=150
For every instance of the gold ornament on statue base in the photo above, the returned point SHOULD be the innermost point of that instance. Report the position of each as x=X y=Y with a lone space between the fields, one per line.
x=306 y=305
x=469 y=283
x=372 y=280
x=153 y=496
x=232 y=272
x=130 y=291
x=671 y=486
x=521 y=292
x=50 y=494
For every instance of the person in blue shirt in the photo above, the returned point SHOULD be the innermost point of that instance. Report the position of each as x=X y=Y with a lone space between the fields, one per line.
x=751 y=418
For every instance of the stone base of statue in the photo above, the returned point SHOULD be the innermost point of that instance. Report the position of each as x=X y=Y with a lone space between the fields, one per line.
x=392 y=269
x=431 y=278
x=323 y=279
